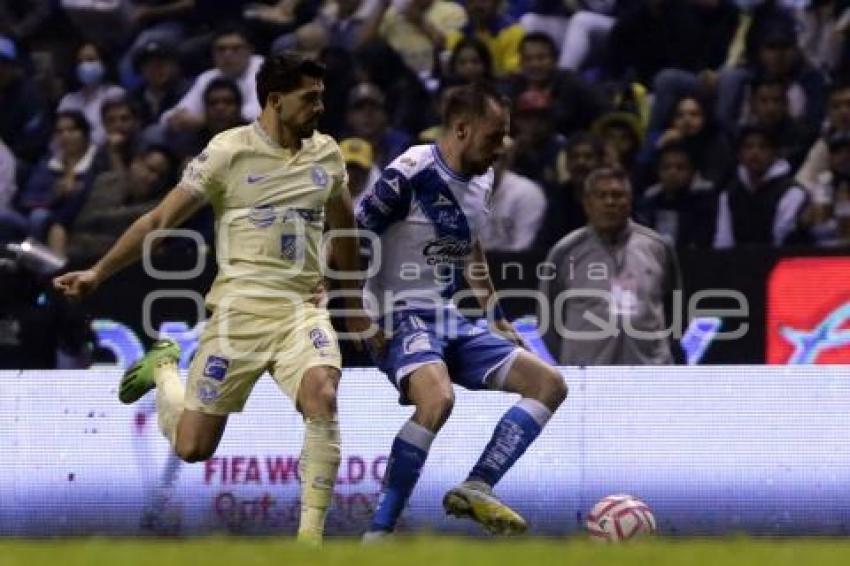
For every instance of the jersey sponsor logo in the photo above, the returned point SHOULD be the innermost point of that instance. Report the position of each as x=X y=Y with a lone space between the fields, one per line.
x=251 y=179
x=319 y=338
x=408 y=162
x=446 y=250
x=207 y=392
x=417 y=343
x=262 y=215
x=320 y=176
x=216 y=367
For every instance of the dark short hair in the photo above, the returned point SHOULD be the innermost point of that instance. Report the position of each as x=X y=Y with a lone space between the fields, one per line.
x=283 y=73
x=541 y=38
x=677 y=148
x=118 y=102
x=79 y=120
x=469 y=101
x=586 y=138
x=171 y=158
x=221 y=83
x=766 y=82
x=750 y=131
x=479 y=47
x=231 y=29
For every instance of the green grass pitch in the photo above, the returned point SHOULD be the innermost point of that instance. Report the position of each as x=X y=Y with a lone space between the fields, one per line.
x=425 y=551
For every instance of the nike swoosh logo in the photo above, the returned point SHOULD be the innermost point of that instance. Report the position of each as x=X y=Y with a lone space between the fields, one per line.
x=254 y=178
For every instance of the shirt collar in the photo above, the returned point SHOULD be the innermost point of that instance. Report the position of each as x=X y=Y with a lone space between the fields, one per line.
x=306 y=143
x=83 y=165
x=622 y=237
x=441 y=163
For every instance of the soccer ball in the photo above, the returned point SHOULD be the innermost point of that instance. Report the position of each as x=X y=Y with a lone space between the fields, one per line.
x=620 y=517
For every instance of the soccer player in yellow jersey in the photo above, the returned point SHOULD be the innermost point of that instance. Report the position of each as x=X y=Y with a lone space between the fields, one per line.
x=272 y=185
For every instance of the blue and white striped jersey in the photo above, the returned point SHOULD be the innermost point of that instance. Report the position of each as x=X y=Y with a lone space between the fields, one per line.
x=427 y=218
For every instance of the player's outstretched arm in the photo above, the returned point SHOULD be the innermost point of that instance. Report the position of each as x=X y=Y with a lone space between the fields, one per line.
x=176 y=207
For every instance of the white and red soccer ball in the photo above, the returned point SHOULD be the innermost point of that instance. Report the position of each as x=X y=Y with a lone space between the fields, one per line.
x=618 y=518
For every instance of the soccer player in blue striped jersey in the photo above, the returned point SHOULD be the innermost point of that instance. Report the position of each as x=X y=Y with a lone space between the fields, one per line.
x=427 y=210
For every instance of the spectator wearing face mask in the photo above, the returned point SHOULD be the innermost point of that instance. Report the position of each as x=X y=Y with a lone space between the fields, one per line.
x=94 y=89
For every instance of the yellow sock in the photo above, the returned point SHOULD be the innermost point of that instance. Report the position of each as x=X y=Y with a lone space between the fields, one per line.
x=318 y=468
x=169 y=398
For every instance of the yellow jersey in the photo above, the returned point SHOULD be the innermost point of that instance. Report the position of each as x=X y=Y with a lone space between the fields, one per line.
x=269 y=215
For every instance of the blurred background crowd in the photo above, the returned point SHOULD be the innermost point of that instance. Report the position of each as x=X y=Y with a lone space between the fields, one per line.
x=730 y=117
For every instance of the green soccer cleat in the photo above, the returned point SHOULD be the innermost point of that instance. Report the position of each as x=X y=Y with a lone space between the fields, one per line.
x=138 y=379
x=475 y=500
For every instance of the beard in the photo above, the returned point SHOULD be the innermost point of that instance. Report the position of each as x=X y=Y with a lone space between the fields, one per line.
x=306 y=129
x=475 y=166
x=303 y=129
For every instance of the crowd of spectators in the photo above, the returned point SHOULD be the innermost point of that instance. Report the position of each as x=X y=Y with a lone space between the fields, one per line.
x=731 y=118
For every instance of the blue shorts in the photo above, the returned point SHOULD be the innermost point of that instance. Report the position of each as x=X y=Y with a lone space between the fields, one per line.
x=471 y=353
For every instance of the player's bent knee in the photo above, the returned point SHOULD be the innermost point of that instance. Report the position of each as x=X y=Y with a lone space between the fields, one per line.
x=434 y=411
x=192 y=452
x=551 y=389
x=197 y=435
x=559 y=388
x=324 y=402
x=318 y=395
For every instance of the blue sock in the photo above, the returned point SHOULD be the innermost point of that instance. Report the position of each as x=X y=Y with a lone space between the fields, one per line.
x=408 y=455
x=514 y=433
